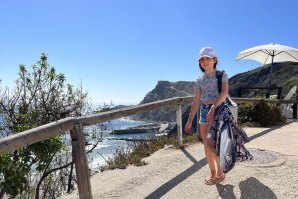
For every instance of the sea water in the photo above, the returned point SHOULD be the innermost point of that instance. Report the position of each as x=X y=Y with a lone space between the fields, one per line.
x=107 y=148
x=110 y=142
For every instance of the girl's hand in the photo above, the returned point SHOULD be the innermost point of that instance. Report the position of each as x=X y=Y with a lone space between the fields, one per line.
x=187 y=127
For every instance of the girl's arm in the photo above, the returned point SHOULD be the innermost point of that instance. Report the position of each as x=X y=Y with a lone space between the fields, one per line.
x=193 y=110
x=194 y=105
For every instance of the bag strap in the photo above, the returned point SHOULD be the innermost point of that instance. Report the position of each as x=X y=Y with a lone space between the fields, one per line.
x=219 y=80
x=219 y=75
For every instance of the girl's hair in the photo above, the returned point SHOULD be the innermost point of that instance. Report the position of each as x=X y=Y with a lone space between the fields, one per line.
x=214 y=66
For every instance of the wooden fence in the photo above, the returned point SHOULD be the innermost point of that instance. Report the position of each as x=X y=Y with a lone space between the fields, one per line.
x=76 y=124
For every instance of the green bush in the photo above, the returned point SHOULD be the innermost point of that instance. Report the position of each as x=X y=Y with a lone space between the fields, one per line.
x=262 y=114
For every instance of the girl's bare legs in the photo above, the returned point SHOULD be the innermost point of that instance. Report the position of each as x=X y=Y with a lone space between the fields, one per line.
x=212 y=158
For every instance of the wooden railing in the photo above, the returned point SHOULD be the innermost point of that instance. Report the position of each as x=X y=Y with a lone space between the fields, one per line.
x=76 y=124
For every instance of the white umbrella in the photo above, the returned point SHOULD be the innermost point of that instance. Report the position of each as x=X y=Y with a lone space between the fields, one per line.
x=270 y=53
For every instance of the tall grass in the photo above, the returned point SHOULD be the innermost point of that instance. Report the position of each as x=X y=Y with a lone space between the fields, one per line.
x=134 y=154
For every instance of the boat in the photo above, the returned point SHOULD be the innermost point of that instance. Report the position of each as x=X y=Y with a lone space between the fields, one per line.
x=152 y=127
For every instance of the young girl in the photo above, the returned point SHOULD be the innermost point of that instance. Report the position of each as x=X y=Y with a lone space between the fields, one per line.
x=208 y=98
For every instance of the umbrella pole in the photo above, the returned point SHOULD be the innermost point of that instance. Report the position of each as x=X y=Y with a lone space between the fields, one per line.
x=272 y=57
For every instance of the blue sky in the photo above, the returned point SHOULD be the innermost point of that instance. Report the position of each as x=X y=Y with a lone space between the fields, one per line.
x=120 y=49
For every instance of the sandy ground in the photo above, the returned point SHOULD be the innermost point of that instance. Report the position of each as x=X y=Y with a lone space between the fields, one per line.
x=174 y=173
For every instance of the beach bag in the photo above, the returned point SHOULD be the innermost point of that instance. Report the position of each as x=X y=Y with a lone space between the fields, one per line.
x=227 y=152
x=233 y=107
x=231 y=104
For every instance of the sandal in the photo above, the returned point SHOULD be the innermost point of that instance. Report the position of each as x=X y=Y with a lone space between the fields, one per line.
x=211 y=180
x=221 y=178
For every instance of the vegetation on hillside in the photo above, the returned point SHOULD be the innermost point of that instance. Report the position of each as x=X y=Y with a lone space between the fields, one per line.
x=262 y=114
x=284 y=75
x=141 y=149
x=43 y=169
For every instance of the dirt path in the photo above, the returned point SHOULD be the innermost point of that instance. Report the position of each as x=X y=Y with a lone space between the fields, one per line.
x=174 y=173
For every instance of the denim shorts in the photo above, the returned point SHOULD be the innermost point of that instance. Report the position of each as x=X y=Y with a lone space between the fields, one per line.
x=203 y=113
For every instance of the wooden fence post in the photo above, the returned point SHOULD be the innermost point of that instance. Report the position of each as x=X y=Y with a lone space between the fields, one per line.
x=295 y=105
x=179 y=124
x=80 y=159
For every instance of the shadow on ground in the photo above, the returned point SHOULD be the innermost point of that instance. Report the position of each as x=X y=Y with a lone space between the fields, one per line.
x=249 y=188
x=268 y=131
x=165 y=188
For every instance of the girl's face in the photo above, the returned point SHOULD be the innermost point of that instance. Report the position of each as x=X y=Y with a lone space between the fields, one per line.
x=207 y=63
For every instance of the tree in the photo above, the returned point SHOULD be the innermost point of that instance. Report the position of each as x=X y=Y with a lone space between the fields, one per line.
x=39 y=97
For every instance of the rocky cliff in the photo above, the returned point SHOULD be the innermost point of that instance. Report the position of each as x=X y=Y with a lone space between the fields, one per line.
x=165 y=90
x=284 y=75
